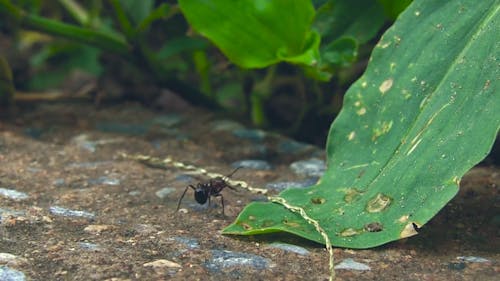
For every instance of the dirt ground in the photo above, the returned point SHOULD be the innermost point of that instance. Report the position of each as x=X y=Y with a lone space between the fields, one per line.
x=73 y=209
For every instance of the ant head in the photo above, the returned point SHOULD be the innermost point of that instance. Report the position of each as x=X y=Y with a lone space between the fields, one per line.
x=201 y=196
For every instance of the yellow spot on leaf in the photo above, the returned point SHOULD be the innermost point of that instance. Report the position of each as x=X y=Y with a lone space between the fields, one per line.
x=351 y=135
x=364 y=84
x=349 y=232
x=385 y=86
x=403 y=219
x=361 y=111
x=382 y=129
x=378 y=203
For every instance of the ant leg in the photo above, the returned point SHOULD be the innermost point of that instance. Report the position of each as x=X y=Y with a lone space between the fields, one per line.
x=222 y=201
x=184 y=193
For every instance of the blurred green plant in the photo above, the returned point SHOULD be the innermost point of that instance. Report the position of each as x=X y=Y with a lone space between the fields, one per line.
x=317 y=39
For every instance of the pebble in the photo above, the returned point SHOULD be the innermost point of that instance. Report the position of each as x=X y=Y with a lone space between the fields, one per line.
x=252 y=164
x=224 y=259
x=89 y=246
x=89 y=165
x=104 y=180
x=9 y=274
x=60 y=211
x=98 y=228
x=162 y=263
x=290 y=248
x=293 y=147
x=59 y=182
x=162 y=193
x=313 y=167
x=167 y=121
x=9 y=212
x=184 y=178
x=7 y=258
x=226 y=125
x=352 y=265
x=473 y=259
x=13 y=194
x=456 y=265
x=282 y=185
x=250 y=134
x=190 y=243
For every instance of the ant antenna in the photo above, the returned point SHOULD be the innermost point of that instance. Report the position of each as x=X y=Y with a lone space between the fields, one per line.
x=232 y=173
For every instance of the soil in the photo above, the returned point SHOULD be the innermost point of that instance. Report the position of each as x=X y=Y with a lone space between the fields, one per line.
x=65 y=156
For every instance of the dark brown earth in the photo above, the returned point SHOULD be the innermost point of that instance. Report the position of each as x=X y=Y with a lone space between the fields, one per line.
x=46 y=152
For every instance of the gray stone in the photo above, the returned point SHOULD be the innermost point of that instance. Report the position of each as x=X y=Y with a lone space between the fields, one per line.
x=9 y=274
x=293 y=147
x=250 y=134
x=473 y=259
x=162 y=193
x=89 y=246
x=351 y=264
x=167 y=121
x=226 y=125
x=290 y=248
x=224 y=259
x=282 y=185
x=313 y=167
x=13 y=194
x=60 y=211
x=104 y=180
x=252 y=164
x=190 y=243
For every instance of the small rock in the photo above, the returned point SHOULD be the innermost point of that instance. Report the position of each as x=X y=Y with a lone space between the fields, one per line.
x=293 y=147
x=456 y=265
x=167 y=121
x=89 y=165
x=223 y=259
x=13 y=194
x=98 y=228
x=226 y=125
x=190 y=243
x=290 y=248
x=350 y=264
x=9 y=274
x=313 y=167
x=473 y=259
x=89 y=246
x=10 y=259
x=162 y=193
x=250 y=134
x=162 y=263
x=145 y=229
x=59 y=182
x=184 y=178
x=252 y=164
x=104 y=180
x=60 y=211
x=279 y=186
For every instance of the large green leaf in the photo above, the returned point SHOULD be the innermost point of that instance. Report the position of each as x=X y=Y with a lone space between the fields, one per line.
x=425 y=111
x=257 y=33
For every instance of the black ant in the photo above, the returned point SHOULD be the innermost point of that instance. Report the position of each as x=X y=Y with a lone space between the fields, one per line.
x=204 y=190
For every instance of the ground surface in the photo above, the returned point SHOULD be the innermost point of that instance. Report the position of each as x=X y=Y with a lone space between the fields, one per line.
x=72 y=209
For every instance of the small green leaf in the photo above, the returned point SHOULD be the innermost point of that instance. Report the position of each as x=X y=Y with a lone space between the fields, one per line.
x=425 y=111
x=358 y=19
x=257 y=33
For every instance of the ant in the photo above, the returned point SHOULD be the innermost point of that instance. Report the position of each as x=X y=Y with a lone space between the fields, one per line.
x=205 y=190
